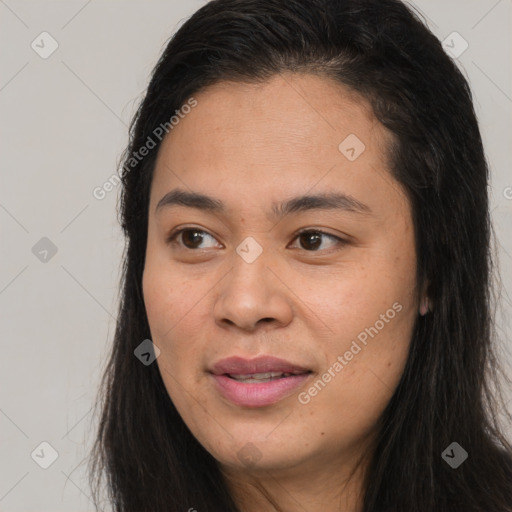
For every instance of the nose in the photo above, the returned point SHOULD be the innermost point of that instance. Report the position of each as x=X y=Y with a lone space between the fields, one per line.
x=252 y=294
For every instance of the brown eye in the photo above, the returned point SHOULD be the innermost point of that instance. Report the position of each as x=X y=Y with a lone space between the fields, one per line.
x=191 y=238
x=311 y=240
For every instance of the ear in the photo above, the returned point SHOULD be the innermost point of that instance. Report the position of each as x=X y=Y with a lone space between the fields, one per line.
x=425 y=303
x=424 y=306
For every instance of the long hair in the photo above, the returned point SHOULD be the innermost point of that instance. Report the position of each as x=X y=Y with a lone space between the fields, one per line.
x=144 y=453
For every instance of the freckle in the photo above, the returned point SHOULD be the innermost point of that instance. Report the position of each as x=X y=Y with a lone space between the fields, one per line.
x=322 y=433
x=389 y=364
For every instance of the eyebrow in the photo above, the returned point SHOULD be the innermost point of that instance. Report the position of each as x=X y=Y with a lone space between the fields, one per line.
x=326 y=201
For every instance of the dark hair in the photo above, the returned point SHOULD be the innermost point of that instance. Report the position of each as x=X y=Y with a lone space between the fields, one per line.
x=382 y=51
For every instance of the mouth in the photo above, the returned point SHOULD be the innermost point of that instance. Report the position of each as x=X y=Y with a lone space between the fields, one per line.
x=260 y=366
x=257 y=382
x=258 y=378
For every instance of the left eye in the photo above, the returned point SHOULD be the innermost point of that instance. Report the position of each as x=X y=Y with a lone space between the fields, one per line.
x=313 y=238
x=192 y=237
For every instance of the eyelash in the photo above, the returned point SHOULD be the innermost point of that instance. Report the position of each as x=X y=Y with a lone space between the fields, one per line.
x=341 y=242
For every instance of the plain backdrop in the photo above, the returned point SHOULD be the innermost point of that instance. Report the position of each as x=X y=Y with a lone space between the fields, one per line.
x=63 y=126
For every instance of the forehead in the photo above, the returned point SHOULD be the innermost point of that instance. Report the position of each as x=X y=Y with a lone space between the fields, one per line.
x=285 y=133
x=287 y=108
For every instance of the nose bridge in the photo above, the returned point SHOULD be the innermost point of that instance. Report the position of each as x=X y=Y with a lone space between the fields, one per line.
x=250 y=291
x=250 y=272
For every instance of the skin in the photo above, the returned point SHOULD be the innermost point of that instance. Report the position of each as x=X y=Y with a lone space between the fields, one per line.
x=250 y=145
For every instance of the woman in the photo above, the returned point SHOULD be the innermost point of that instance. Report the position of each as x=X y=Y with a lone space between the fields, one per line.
x=306 y=317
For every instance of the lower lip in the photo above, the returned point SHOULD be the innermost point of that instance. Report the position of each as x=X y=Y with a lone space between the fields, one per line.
x=258 y=394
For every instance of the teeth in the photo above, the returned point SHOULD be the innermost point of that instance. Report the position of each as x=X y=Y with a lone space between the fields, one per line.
x=259 y=377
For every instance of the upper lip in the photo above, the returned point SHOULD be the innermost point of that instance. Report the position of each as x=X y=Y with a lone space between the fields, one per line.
x=261 y=364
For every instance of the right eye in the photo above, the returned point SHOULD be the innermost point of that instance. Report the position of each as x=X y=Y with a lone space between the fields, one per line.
x=190 y=238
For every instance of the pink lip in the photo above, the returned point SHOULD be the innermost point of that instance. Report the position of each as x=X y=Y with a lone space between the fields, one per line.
x=256 y=394
x=261 y=364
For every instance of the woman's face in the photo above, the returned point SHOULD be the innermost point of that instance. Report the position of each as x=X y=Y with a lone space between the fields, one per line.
x=335 y=305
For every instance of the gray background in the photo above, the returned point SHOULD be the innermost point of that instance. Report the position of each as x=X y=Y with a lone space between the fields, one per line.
x=63 y=127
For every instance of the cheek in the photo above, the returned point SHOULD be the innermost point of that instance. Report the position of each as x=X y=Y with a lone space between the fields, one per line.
x=353 y=389
x=176 y=319
x=357 y=295
x=167 y=303
x=168 y=297
x=370 y=315
x=158 y=293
